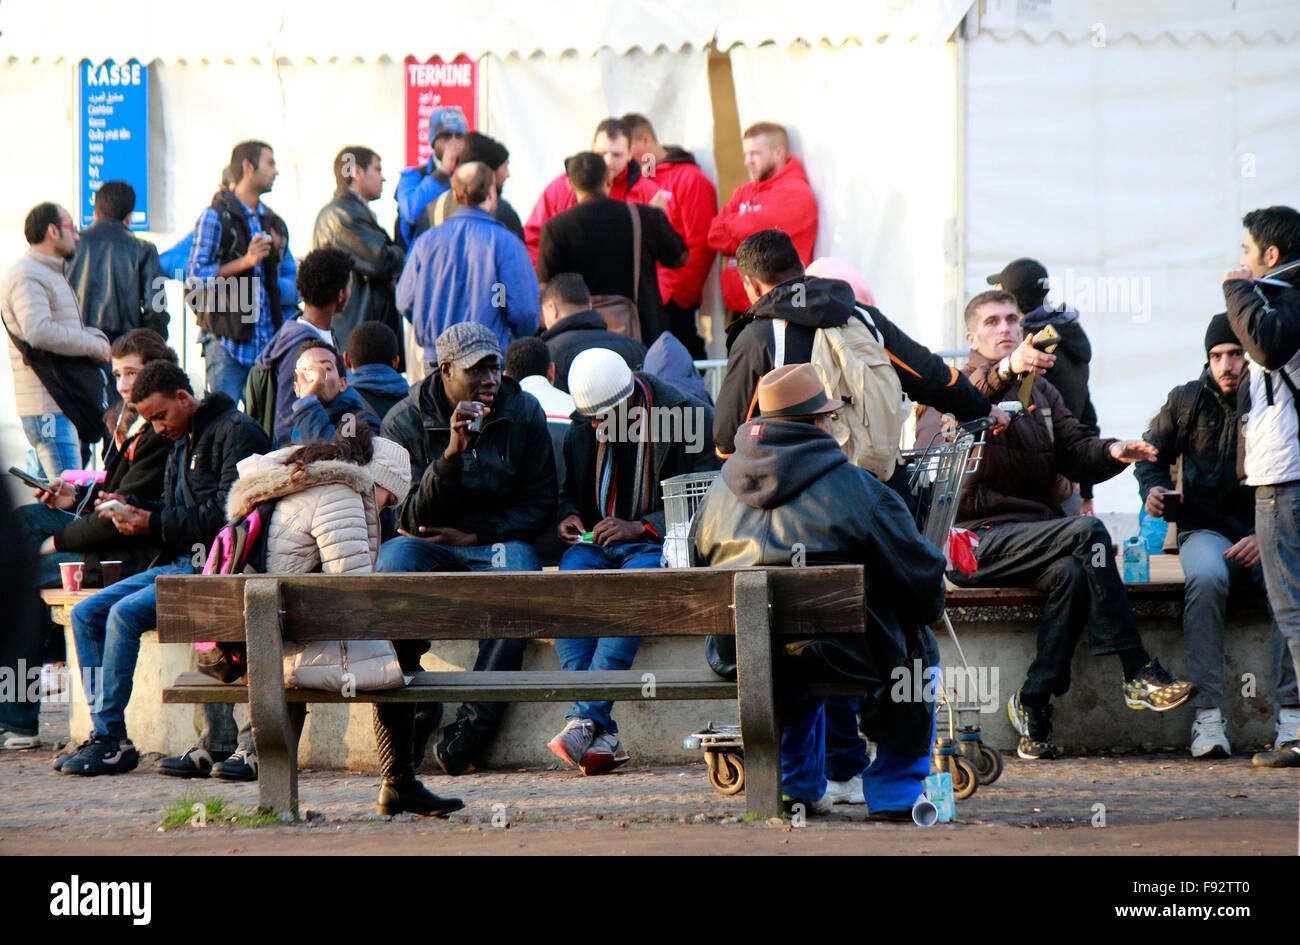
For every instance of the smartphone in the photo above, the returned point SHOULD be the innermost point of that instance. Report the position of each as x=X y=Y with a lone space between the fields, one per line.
x=112 y=505
x=30 y=479
x=1173 y=503
x=1045 y=339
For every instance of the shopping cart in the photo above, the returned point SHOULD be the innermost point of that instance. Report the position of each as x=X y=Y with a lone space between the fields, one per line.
x=936 y=474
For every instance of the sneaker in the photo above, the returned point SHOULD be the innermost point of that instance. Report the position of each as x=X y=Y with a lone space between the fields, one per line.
x=1016 y=712
x=573 y=741
x=1032 y=749
x=241 y=766
x=1285 y=755
x=193 y=763
x=1154 y=688
x=846 y=792
x=15 y=742
x=59 y=759
x=605 y=754
x=1288 y=726
x=457 y=748
x=103 y=754
x=818 y=808
x=1209 y=740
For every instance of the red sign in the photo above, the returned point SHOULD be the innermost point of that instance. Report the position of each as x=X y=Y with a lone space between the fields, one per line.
x=436 y=84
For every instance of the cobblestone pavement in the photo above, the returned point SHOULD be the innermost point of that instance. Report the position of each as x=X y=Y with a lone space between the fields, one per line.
x=1136 y=804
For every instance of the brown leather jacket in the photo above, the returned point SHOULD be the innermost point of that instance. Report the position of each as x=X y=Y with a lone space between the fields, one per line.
x=1016 y=479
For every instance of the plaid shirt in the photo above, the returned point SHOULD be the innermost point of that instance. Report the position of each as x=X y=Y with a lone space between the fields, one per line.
x=203 y=265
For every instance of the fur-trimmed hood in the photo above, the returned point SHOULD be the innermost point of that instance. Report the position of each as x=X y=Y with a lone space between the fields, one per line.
x=265 y=477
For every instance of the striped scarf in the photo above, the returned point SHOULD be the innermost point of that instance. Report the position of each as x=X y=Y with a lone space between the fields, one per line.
x=607 y=473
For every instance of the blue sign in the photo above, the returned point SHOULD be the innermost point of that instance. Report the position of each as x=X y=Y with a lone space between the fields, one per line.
x=114 y=114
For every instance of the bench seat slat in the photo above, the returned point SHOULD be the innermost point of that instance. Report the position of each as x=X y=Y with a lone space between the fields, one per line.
x=528 y=686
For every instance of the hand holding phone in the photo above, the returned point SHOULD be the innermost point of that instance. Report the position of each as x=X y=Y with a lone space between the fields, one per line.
x=31 y=480
x=112 y=505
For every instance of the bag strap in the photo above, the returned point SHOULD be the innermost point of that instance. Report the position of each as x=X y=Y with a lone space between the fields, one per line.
x=1285 y=373
x=636 y=255
x=23 y=346
x=778 y=342
x=1186 y=406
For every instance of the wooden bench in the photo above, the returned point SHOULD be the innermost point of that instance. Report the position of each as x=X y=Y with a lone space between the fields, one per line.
x=757 y=605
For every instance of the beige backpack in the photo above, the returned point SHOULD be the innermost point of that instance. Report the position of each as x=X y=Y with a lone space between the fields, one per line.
x=855 y=368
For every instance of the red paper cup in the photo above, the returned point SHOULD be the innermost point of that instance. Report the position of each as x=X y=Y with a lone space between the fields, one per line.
x=70 y=572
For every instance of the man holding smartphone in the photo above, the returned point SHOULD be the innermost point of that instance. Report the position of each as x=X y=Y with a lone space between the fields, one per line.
x=1215 y=515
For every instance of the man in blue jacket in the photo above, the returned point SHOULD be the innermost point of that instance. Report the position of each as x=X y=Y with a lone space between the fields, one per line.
x=469 y=269
x=419 y=186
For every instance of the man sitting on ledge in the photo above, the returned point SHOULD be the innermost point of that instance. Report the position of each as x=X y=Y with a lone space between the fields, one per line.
x=1026 y=540
x=789 y=496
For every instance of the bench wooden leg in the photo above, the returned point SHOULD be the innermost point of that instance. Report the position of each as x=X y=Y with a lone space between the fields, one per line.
x=757 y=694
x=275 y=727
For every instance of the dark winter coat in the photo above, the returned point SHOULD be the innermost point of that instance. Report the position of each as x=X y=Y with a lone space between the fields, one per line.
x=118 y=280
x=575 y=333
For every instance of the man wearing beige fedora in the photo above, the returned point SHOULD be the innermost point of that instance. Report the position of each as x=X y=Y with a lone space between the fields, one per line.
x=789 y=496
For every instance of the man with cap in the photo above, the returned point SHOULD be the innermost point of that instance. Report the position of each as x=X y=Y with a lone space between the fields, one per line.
x=789 y=495
x=631 y=433
x=418 y=186
x=1215 y=514
x=478 y=147
x=1027 y=280
x=483 y=489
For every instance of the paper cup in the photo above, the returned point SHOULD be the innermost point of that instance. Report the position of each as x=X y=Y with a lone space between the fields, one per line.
x=112 y=571
x=70 y=573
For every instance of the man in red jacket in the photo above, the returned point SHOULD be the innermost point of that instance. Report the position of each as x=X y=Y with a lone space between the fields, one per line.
x=626 y=182
x=692 y=205
x=776 y=197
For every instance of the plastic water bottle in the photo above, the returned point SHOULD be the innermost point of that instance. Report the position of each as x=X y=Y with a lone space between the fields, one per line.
x=1137 y=566
x=938 y=790
x=1152 y=532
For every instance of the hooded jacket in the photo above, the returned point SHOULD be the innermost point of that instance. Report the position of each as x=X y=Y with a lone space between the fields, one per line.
x=692 y=205
x=469 y=269
x=119 y=280
x=1017 y=475
x=631 y=186
x=668 y=459
x=826 y=303
x=325 y=518
x=504 y=487
x=783 y=201
x=346 y=223
x=574 y=334
x=789 y=488
x=1265 y=315
x=281 y=356
x=379 y=386
x=201 y=468
x=1213 y=496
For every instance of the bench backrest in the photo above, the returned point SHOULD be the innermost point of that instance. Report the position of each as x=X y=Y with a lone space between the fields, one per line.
x=470 y=606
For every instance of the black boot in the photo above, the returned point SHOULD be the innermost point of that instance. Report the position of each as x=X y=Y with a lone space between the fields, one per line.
x=394 y=727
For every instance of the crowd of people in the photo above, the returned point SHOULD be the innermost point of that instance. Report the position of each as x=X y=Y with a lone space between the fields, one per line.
x=508 y=437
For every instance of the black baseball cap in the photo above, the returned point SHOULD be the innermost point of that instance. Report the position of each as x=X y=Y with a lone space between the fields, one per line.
x=1021 y=277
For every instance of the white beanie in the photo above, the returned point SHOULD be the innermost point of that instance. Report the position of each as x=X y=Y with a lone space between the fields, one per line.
x=599 y=379
x=391 y=467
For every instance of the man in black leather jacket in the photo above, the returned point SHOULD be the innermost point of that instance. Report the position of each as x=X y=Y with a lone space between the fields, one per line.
x=347 y=223
x=117 y=276
x=788 y=495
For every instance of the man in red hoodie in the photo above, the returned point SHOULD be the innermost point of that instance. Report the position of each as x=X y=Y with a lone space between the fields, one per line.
x=626 y=182
x=692 y=205
x=776 y=197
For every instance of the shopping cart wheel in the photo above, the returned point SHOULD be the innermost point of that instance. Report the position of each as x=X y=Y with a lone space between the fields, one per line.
x=964 y=778
x=989 y=767
x=726 y=772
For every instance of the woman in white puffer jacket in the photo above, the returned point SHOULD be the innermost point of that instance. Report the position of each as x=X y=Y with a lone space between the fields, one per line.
x=326 y=518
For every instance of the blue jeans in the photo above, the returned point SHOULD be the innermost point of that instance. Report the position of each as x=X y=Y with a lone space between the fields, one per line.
x=406 y=555
x=605 y=652
x=1209 y=578
x=107 y=627
x=1277 y=526
x=222 y=372
x=54 y=444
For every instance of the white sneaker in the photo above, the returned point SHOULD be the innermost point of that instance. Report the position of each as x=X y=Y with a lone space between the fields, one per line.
x=845 y=792
x=1288 y=726
x=15 y=742
x=1208 y=737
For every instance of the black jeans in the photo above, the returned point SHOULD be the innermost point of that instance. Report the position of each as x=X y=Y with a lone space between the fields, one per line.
x=681 y=322
x=1072 y=561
